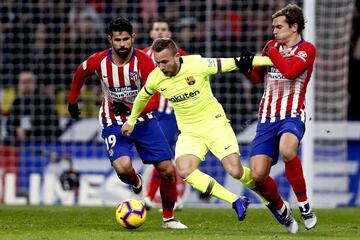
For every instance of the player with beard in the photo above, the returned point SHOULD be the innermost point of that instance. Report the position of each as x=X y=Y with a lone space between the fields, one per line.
x=123 y=71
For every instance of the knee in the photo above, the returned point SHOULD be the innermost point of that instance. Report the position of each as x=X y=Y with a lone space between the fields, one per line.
x=186 y=164
x=166 y=171
x=236 y=172
x=122 y=166
x=258 y=177
x=184 y=169
x=183 y=172
x=287 y=154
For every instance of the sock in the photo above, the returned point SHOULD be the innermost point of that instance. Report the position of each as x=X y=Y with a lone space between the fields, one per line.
x=154 y=183
x=304 y=207
x=209 y=186
x=168 y=193
x=131 y=178
x=268 y=189
x=250 y=183
x=295 y=176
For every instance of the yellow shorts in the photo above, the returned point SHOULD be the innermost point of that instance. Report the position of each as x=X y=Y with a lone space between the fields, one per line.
x=220 y=140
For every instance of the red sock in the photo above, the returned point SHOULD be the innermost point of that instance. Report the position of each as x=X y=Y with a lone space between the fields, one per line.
x=268 y=189
x=168 y=194
x=154 y=183
x=131 y=178
x=295 y=176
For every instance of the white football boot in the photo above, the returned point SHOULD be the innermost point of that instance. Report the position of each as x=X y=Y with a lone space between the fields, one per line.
x=289 y=222
x=173 y=224
x=308 y=216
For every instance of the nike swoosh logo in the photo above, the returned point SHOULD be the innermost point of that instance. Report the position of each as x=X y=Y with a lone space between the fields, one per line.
x=226 y=148
x=104 y=76
x=162 y=89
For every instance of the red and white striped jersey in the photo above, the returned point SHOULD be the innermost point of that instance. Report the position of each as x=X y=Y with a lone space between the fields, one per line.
x=164 y=104
x=286 y=82
x=120 y=84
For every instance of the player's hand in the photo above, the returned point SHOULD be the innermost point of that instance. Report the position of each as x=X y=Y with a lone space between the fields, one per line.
x=245 y=62
x=74 y=110
x=120 y=108
x=127 y=129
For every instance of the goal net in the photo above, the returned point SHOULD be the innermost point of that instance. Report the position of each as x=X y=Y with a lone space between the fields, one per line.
x=50 y=39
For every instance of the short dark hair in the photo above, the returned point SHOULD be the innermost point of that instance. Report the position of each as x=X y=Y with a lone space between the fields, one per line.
x=293 y=14
x=160 y=44
x=119 y=25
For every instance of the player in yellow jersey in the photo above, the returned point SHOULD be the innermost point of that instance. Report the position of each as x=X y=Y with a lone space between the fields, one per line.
x=201 y=119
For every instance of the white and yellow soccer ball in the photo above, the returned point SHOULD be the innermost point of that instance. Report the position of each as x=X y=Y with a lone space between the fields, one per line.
x=130 y=214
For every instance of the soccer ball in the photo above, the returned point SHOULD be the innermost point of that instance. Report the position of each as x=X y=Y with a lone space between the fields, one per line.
x=130 y=214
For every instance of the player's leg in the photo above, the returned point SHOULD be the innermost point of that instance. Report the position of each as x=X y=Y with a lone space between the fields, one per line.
x=154 y=149
x=169 y=127
x=168 y=194
x=167 y=187
x=289 y=142
x=118 y=148
x=187 y=166
x=264 y=154
x=266 y=186
x=154 y=184
x=190 y=150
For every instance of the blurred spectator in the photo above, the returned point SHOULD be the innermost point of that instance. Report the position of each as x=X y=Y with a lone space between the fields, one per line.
x=187 y=38
x=16 y=39
x=82 y=36
x=148 y=11
x=130 y=10
x=32 y=115
x=226 y=26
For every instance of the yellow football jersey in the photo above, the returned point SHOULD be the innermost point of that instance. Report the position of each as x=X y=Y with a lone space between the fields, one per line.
x=196 y=108
x=189 y=91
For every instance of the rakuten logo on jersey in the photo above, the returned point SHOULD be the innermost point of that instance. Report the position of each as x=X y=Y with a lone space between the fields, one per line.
x=184 y=97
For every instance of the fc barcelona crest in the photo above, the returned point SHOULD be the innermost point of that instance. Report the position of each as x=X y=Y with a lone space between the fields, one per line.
x=190 y=80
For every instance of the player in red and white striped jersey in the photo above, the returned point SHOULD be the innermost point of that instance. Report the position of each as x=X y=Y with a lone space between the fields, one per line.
x=286 y=82
x=122 y=71
x=281 y=123
x=165 y=115
x=161 y=29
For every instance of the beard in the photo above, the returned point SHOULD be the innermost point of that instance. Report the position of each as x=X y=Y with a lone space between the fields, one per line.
x=123 y=52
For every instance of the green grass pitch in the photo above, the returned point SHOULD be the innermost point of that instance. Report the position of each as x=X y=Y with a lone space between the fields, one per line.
x=59 y=222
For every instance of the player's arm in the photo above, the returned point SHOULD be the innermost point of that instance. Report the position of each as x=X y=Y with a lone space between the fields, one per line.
x=248 y=60
x=84 y=70
x=245 y=63
x=292 y=68
x=140 y=102
x=253 y=67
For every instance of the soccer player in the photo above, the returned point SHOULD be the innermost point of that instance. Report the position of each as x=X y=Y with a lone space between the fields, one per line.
x=164 y=114
x=281 y=123
x=122 y=71
x=201 y=118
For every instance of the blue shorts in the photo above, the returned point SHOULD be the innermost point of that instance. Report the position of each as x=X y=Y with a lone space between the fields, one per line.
x=148 y=138
x=268 y=135
x=169 y=126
